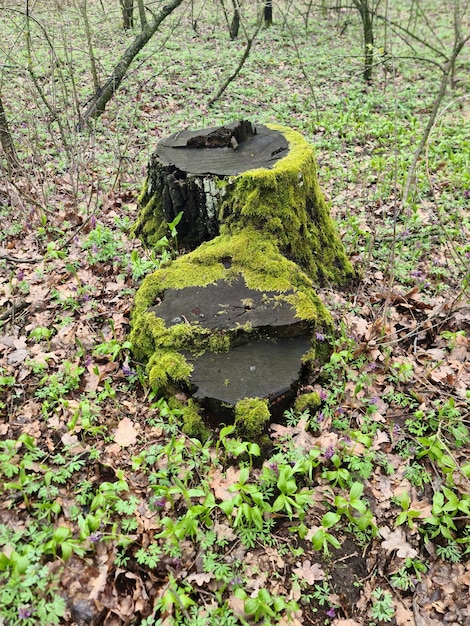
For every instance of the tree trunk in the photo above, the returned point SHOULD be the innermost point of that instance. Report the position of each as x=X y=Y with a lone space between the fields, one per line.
x=104 y=95
x=142 y=15
x=268 y=13
x=127 y=8
x=235 y=24
x=6 y=142
x=367 y=19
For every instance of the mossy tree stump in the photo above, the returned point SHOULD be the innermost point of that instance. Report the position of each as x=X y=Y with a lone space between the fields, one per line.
x=233 y=322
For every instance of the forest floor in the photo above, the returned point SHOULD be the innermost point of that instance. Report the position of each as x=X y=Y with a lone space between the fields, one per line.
x=109 y=513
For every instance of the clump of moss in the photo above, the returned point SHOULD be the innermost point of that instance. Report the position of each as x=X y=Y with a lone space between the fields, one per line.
x=307 y=401
x=251 y=417
x=193 y=424
x=286 y=202
x=167 y=366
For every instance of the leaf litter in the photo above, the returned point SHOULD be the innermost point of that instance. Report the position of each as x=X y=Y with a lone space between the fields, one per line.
x=399 y=330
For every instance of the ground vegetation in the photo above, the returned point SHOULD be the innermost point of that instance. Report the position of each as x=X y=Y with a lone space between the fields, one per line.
x=358 y=513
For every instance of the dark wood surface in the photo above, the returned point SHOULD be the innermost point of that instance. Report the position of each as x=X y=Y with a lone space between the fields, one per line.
x=262 y=150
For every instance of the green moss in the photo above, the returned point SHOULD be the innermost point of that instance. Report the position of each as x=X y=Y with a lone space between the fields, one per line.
x=251 y=417
x=150 y=225
x=193 y=424
x=286 y=202
x=310 y=401
x=166 y=366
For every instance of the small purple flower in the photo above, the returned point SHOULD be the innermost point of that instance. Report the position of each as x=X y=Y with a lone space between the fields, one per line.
x=93 y=221
x=128 y=371
x=371 y=366
x=320 y=417
x=24 y=612
x=159 y=503
x=320 y=336
x=417 y=273
x=323 y=394
x=20 y=275
x=396 y=429
x=88 y=360
x=236 y=580
x=340 y=410
x=329 y=452
x=96 y=537
x=374 y=400
x=331 y=612
x=273 y=467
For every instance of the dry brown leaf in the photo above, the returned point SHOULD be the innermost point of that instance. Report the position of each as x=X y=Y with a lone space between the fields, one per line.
x=125 y=434
x=403 y=615
x=98 y=584
x=199 y=579
x=223 y=530
x=380 y=438
x=221 y=481
x=309 y=572
x=395 y=540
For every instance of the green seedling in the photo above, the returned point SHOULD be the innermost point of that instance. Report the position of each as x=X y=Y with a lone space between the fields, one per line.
x=407 y=514
x=112 y=348
x=322 y=537
x=355 y=508
x=338 y=476
x=382 y=605
x=41 y=332
x=265 y=606
x=291 y=500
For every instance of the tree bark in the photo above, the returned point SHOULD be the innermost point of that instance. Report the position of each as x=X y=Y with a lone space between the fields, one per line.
x=268 y=13
x=7 y=142
x=127 y=7
x=235 y=25
x=366 y=14
x=142 y=15
x=104 y=95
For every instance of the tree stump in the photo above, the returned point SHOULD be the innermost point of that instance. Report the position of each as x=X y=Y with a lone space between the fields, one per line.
x=235 y=322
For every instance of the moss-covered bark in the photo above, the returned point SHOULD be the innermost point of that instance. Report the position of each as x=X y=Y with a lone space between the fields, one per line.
x=287 y=203
x=284 y=202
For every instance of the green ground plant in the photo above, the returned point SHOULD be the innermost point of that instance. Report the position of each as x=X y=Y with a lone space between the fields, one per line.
x=213 y=528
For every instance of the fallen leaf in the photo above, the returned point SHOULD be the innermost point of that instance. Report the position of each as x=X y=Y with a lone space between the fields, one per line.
x=308 y=572
x=125 y=434
x=221 y=481
x=199 y=579
x=396 y=541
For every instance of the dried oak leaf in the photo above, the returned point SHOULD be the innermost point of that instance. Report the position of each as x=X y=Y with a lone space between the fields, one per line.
x=309 y=572
x=395 y=540
x=125 y=434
